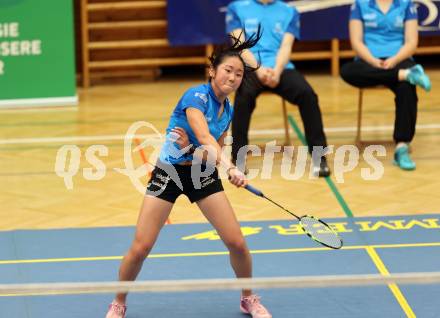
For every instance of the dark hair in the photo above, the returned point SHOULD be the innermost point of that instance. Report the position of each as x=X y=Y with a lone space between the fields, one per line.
x=235 y=49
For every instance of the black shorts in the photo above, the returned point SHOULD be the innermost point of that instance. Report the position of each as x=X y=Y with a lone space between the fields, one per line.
x=169 y=181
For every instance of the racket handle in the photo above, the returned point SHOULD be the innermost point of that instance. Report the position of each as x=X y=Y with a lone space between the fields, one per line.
x=254 y=190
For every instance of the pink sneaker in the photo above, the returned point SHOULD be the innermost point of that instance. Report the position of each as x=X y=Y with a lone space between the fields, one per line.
x=251 y=305
x=116 y=310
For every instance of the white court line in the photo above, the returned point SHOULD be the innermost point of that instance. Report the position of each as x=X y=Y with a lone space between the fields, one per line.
x=379 y=128
x=40 y=102
x=39 y=110
x=263 y=132
x=44 y=140
x=260 y=132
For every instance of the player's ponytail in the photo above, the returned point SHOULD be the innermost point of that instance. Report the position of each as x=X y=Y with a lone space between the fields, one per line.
x=236 y=49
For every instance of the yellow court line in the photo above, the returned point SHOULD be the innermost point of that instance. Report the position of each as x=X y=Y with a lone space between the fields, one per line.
x=196 y=254
x=60 y=260
x=430 y=244
x=394 y=288
x=104 y=258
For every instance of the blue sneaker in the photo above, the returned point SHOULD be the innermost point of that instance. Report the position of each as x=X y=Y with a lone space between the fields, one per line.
x=403 y=160
x=417 y=76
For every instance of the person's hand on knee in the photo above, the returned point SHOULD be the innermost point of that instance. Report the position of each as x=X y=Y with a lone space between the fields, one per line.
x=264 y=74
x=377 y=63
x=274 y=79
x=390 y=63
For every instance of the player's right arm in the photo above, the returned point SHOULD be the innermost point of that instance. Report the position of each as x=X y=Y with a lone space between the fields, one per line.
x=358 y=45
x=356 y=29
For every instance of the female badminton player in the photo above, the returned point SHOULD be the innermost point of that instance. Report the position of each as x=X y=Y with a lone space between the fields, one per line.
x=204 y=114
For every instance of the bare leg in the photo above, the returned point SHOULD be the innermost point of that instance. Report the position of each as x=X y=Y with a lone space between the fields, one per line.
x=403 y=73
x=219 y=213
x=153 y=215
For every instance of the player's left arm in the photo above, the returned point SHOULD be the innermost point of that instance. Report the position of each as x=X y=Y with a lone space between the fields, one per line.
x=409 y=47
x=284 y=52
x=221 y=140
x=411 y=37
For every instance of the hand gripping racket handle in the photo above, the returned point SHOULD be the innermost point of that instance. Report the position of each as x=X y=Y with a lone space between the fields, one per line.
x=254 y=190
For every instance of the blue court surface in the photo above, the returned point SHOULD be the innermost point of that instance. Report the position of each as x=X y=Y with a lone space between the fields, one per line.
x=194 y=251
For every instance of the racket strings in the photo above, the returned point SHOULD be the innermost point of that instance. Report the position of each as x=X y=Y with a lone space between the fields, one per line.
x=320 y=232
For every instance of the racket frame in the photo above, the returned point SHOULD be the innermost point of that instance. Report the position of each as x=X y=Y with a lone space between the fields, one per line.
x=261 y=194
x=326 y=225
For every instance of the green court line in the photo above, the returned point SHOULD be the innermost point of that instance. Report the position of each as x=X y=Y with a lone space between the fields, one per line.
x=218 y=253
x=339 y=197
x=297 y=130
x=329 y=181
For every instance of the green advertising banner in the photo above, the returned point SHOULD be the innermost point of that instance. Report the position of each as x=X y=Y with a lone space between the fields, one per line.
x=37 y=63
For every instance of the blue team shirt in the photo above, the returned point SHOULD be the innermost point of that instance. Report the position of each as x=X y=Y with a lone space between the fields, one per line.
x=276 y=18
x=384 y=34
x=203 y=98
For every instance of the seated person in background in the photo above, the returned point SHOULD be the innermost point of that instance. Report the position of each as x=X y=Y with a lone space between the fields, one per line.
x=280 y=27
x=384 y=35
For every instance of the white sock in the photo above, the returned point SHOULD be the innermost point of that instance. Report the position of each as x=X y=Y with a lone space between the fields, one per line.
x=401 y=144
x=405 y=73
